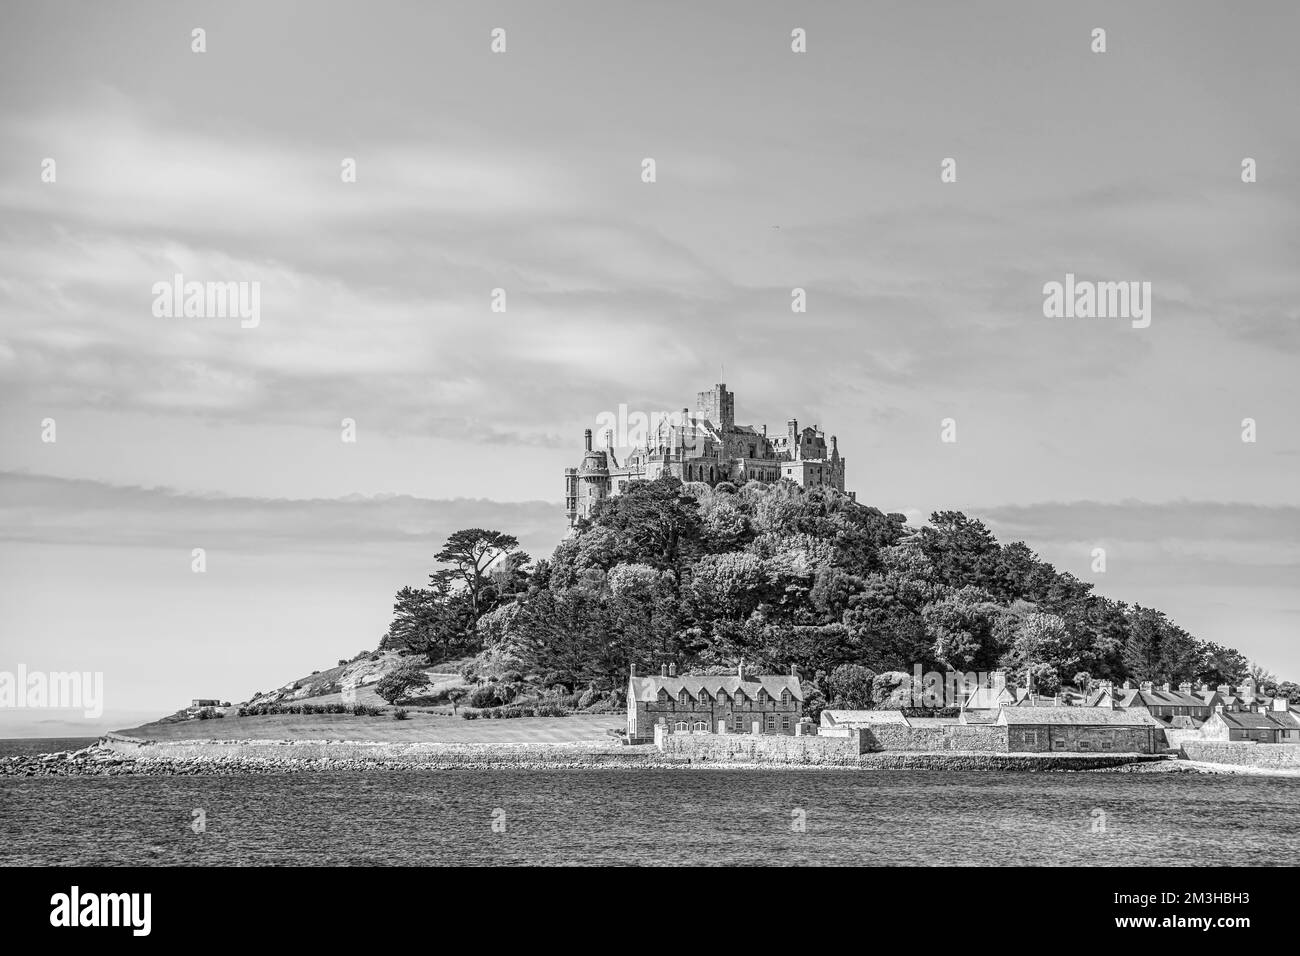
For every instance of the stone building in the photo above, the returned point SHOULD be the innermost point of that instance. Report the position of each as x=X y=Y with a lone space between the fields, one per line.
x=1081 y=729
x=1165 y=703
x=706 y=446
x=765 y=704
x=1277 y=725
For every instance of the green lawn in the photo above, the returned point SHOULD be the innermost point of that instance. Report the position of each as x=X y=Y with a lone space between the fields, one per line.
x=421 y=727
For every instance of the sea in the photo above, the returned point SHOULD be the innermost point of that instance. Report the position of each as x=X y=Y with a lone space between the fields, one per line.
x=647 y=817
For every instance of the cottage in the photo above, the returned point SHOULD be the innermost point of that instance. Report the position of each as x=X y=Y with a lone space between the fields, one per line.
x=841 y=723
x=1275 y=726
x=1081 y=729
x=1165 y=703
x=765 y=704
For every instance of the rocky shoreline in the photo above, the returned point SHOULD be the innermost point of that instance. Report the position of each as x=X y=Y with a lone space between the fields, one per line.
x=223 y=758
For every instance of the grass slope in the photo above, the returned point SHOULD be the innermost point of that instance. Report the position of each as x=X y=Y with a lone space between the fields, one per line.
x=422 y=727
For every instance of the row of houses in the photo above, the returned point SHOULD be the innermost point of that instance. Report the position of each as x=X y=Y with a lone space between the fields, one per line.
x=1127 y=719
x=1219 y=713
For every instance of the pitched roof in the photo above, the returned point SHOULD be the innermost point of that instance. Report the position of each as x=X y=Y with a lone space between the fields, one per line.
x=1078 y=716
x=989 y=698
x=647 y=688
x=1249 y=721
x=841 y=717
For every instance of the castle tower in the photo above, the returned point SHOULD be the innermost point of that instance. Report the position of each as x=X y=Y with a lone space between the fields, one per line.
x=593 y=478
x=718 y=406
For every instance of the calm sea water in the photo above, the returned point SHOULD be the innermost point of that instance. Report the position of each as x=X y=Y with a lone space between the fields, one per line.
x=908 y=818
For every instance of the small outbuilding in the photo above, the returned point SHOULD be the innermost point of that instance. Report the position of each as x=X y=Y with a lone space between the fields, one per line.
x=1081 y=730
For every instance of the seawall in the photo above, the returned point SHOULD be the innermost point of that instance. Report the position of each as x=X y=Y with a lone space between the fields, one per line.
x=116 y=755
x=1243 y=754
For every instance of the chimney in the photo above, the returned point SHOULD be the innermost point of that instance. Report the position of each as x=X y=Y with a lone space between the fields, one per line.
x=1248 y=689
x=1147 y=686
x=1166 y=687
x=794 y=671
x=1185 y=687
x=1128 y=685
x=663 y=670
x=740 y=669
x=999 y=680
x=631 y=670
x=1218 y=708
x=1224 y=690
x=672 y=669
x=586 y=438
x=1280 y=703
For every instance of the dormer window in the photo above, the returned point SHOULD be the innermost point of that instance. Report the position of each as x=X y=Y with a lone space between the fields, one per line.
x=740 y=697
x=785 y=698
x=684 y=698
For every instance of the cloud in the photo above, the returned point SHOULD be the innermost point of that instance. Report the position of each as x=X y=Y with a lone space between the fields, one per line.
x=40 y=509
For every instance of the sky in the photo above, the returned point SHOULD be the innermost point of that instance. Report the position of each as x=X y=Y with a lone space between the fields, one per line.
x=522 y=171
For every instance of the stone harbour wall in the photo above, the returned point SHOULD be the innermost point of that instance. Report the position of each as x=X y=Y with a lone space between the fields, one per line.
x=1244 y=753
x=982 y=738
x=762 y=748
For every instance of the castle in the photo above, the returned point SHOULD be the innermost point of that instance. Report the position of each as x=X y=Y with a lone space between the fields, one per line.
x=707 y=446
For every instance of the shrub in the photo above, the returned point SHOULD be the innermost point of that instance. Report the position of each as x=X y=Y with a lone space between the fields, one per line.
x=469 y=714
x=551 y=710
x=588 y=697
x=400 y=681
x=488 y=695
x=401 y=714
x=366 y=710
x=342 y=662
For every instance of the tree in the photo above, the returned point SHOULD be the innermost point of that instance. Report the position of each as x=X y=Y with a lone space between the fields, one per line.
x=471 y=552
x=1157 y=649
x=850 y=686
x=400 y=681
x=1221 y=665
x=657 y=522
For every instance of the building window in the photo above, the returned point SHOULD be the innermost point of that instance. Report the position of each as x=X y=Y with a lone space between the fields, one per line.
x=785 y=698
x=771 y=722
x=1030 y=737
x=683 y=698
x=740 y=724
x=785 y=721
x=700 y=727
x=680 y=727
